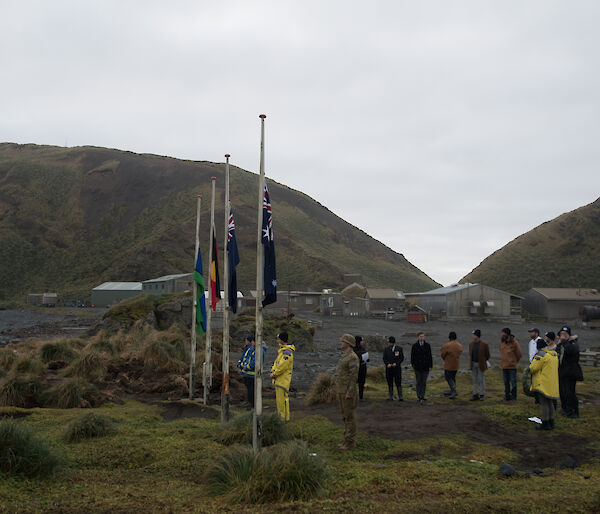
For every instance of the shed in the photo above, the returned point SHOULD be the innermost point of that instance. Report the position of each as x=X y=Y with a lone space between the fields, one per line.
x=382 y=302
x=110 y=293
x=559 y=303
x=169 y=284
x=468 y=301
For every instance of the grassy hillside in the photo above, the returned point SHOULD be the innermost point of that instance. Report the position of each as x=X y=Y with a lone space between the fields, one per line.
x=563 y=252
x=72 y=218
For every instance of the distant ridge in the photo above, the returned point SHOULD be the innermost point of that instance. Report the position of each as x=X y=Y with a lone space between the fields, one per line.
x=72 y=218
x=563 y=252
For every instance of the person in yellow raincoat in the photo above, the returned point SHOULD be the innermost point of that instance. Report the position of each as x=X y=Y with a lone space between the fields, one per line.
x=544 y=381
x=281 y=374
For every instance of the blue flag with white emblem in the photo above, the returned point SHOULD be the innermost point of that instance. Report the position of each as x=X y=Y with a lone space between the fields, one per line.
x=270 y=274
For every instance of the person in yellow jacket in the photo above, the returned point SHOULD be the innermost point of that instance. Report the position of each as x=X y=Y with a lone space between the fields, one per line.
x=544 y=381
x=281 y=374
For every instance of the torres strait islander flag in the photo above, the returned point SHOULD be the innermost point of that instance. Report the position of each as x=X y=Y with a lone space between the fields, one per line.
x=200 y=301
x=215 y=283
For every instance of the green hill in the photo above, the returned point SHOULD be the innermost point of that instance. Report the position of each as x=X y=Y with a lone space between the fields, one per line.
x=563 y=252
x=72 y=218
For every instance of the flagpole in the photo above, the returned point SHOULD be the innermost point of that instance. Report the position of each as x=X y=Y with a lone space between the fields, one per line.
x=226 y=308
x=207 y=367
x=194 y=289
x=258 y=338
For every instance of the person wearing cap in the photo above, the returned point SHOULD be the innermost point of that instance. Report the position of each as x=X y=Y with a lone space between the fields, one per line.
x=281 y=374
x=479 y=353
x=393 y=356
x=363 y=357
x=247 y=365
x=510 y=354
x=346 y=389
x=422 y=361
x=569 y=372
x=534 y=335
x=544 y=381
x=451 y=352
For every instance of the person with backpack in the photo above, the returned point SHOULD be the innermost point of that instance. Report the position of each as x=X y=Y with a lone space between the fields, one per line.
x=544 y=381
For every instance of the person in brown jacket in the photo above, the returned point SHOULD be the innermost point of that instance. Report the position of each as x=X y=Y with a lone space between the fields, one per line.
x=451 y=352
x=510 y=355
x=479 y=353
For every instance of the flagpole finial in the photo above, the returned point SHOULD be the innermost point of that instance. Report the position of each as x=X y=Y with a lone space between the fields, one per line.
x=213 y=178
x=263 y=116
x=227 y=155
x=199 y=196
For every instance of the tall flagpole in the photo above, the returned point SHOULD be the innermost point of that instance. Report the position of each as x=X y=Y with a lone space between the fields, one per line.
x=194 y=296
x=226 y=308
x=258 y=338
x=207 y=367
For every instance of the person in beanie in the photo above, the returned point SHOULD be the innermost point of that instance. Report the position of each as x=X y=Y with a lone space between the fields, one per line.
x=451 y=352
x=510 y=354
x=392 y=359
x=363 y=357
x=479 y=353
x=346 y=389
x=422 y=362
x=569 y=372
x=281 y=374
x=247 y=364
x=544 y=381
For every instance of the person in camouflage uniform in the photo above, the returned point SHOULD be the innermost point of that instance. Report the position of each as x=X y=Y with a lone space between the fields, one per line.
x=346 y=388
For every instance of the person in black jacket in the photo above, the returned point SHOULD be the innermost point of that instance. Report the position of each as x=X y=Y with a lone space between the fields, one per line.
x=569 y=372
x=422 y=362
x=363 y=356
x=392 y=358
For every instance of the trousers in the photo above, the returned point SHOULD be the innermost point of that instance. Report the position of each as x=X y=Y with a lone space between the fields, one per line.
x=394 y=375
x=348 y=410
x=421 y=383
x=249 y=383
x=478 y=379
x=510 y=383
x=547 y=406
x=282 y=399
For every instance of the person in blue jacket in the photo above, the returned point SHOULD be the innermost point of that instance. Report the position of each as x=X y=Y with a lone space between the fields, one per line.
x=247 y=365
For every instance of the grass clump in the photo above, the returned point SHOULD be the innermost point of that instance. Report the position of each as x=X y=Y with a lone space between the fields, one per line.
x=89 y=365
x=7 y=358
x=21 y=453
x=88 y=426
x=239 y=430
x=73 y=393
x=322 y=391
x=285 y=472
x=132 y=309
x=28 y=365
x=376 y=373
x=20 y=390
x=160 y=354
x=58 y=351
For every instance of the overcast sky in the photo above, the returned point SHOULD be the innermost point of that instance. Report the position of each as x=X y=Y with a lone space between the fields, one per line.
x=444 y=129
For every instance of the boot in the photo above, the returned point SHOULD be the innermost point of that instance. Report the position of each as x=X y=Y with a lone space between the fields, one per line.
x=448 y=392
x=542 y=426
x=475 y=398
x=551 y=421
x=400 y=394
x=390 y=396
x=453 y=394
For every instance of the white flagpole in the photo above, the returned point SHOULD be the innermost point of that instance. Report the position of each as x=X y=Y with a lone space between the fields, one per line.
x=207 y=367
x=194 y=289
x=226 y=308
x=258 y=337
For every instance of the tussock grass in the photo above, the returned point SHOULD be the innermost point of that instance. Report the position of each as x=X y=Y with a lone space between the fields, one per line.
x=21 y=453
x=88 y=426
x=72 y=393
x=285 y=472
x=239 y=430
x=159 y=354
x=89 y=365
x=20 y=390
x=28 y=365
x=7 y=358
x=100 y=346
x=322 y=391
x=57 y=351
x=376 y=374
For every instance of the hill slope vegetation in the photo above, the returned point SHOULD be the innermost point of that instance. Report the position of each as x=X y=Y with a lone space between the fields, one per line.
x=563 y=252
x=72 y=218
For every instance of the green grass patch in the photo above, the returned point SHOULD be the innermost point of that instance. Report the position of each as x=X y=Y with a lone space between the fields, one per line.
x=239 y=430
x=72 y=393
x=89 y=426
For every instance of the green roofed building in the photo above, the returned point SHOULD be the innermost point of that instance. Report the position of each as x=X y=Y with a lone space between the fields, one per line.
x=111 y=293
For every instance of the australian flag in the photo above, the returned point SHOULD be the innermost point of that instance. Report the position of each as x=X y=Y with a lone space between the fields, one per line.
x=234 y=259
x=270 y=284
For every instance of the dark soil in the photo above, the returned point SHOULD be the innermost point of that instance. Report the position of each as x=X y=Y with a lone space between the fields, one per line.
x=410 y=421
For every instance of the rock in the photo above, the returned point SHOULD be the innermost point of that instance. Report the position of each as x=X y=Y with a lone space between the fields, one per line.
x=569 y=462
x=538 y=471
x=507 y=470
